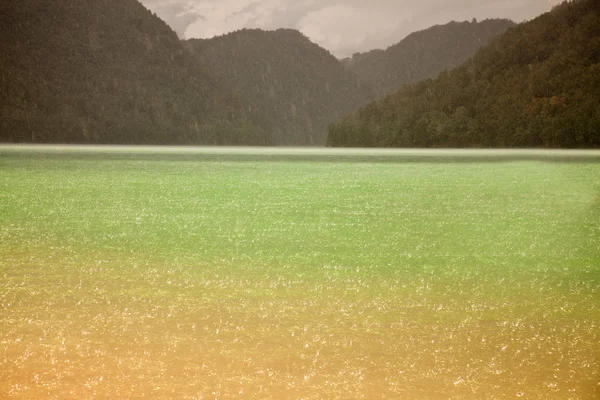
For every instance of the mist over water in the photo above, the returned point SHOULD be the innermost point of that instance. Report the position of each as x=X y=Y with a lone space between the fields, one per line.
x=308 y=153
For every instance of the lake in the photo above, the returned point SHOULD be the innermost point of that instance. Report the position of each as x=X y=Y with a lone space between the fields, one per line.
x=299 y=273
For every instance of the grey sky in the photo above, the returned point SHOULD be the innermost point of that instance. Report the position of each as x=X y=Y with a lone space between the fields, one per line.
x=341 y=26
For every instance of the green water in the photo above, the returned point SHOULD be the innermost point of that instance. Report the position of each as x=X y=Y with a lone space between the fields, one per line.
x=257 y=273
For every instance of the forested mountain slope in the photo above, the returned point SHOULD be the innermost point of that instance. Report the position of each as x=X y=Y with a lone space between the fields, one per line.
x=108 y=71
x=290 y=82
x=424 y=54
x=537 y=85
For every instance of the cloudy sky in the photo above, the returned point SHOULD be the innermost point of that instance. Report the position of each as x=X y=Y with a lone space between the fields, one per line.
x=341 y=26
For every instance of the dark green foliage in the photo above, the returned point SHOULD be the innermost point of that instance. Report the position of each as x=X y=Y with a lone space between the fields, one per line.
x=108 y=71
x=537 y=85
x=290 y=82
x=424 y=54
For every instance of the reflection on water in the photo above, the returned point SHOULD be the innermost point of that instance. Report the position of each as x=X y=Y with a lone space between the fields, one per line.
x=127 y=278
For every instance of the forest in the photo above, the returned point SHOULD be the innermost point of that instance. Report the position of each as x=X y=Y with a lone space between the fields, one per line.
x=537 y=85
x=111 y=71
x=296 y=86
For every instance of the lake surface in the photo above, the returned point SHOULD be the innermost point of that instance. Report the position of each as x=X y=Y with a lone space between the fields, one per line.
x=298 y=273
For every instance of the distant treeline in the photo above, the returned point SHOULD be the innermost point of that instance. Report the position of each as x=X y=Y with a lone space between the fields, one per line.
x=294 y=85
x=424 y=54
x=537 y=85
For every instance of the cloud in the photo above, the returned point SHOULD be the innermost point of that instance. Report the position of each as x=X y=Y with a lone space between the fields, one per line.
x=229 y=15
x=341 y=26
x=344 y=28
x=179 y=15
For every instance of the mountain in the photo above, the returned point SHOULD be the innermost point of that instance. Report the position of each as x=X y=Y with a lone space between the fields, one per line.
x=109 y=71
x=291 y=83
x=537 y=85
x=424 y=54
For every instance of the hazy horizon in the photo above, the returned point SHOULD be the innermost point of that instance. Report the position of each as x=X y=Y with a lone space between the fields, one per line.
x=342 y=26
